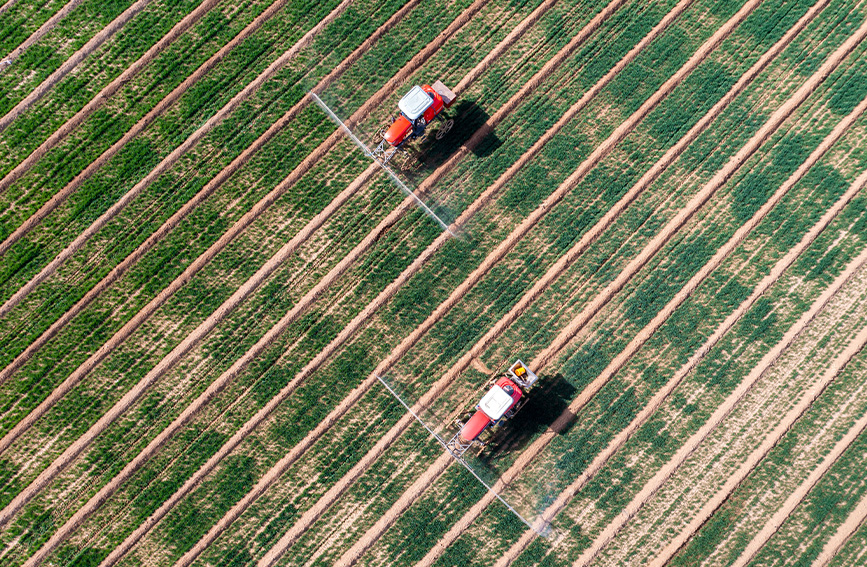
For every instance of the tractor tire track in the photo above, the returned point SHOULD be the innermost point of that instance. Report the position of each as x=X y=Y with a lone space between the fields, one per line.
x=39 y=33
x=794 y=499
x=166 y=162
x=570 y=182
x=280 y=327
x=175 y=219
x=97 y=101
x=104 y=34
x=366 y=385
x=773 y=276
x=854 y=521
x=7 y=5
x=586 y=315
x=837 y=366
x=71 y=453
x=776 y=119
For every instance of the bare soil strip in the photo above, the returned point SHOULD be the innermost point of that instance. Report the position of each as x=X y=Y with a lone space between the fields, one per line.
x=788 y=107
x=762 y=450
x=843 y=533
x=593 y=308
x=109 y=345
x=221 y=312
x=176 y=218
x=291 y=457
x=794 y=499
x=699 y=355
x=71 y=63
x=38 y=34
x=96 y=102
x=7 y=5
x=168 y=161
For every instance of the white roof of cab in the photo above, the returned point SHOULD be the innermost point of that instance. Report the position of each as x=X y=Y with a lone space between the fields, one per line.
x=415 y=102
x=495 y=403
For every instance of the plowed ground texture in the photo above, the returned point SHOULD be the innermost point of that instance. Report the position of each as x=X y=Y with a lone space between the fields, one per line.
x=660 y=206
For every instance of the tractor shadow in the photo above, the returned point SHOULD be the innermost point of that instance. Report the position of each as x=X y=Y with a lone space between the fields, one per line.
x=548 y=407
x=431 y=153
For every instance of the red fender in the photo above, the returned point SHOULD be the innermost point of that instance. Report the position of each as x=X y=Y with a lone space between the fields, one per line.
x=398 y=130
x=474 y=427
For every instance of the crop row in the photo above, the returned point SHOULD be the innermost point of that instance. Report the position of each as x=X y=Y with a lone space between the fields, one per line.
x=788 y=464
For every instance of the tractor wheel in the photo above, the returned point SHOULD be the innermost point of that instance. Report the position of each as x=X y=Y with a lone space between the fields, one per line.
x=445 y=128
x=408 y=162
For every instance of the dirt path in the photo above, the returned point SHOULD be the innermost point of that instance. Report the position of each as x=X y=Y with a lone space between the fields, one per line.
x=39 y=33
x=855 y=346
x=98 y=101
x=794 y=499
x=176 y=218
x=110 y=345
x=663 y=394
x=167 y=162
x=484 y=267
x=776 y=119
x=652 y=486
x=221 y=312
x=854 y=521
x=311 y=515
x=105 y=33
x=7 y=5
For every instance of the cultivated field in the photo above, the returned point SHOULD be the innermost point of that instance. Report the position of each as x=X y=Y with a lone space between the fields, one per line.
x=659 y=206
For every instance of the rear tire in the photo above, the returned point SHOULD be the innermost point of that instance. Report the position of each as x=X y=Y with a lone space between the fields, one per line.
x=445 y=128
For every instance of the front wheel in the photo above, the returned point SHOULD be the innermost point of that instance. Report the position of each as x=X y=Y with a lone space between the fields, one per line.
x=445 y=128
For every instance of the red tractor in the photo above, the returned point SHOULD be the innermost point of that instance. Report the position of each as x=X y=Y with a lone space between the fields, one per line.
x=504 y=398
x=418 y=108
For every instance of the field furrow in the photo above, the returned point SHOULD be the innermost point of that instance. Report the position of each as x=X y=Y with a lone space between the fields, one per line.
x=72 y=62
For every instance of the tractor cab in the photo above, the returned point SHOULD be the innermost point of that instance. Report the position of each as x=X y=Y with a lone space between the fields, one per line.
x=504 y=398
x=418 y=108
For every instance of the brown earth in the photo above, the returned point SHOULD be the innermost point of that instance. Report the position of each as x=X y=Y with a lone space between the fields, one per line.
x=109 y=345
x=71 y=63
x=191 y=340
x=344 y=406
x=162 y=167
x=39 y=33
